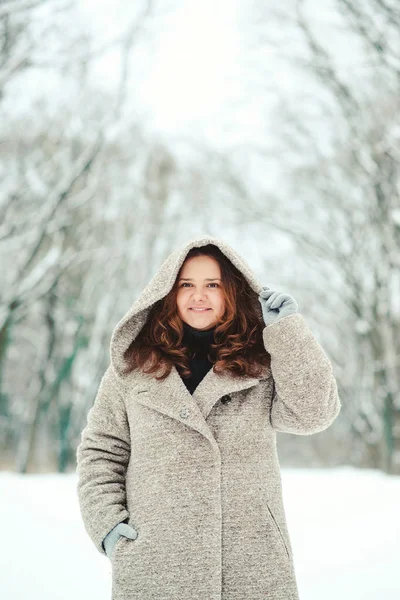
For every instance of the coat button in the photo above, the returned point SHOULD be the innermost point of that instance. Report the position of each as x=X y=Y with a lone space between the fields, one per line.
x=226 y=398
x=184 y=412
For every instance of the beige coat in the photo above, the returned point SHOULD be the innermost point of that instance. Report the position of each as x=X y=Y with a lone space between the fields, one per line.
x=200 y=479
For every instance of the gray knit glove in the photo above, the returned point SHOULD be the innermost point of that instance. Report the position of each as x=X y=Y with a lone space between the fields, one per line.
x=121 y=529
x=276 y=305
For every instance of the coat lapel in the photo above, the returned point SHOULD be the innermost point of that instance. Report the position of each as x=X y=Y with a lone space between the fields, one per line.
x=212 y=387
x=171 y=397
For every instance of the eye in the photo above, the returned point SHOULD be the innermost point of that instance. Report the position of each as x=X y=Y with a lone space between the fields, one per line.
x=187 y=283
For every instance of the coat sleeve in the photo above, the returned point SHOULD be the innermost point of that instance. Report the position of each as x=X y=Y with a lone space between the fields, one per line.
x=305 y=398
x=102 y=459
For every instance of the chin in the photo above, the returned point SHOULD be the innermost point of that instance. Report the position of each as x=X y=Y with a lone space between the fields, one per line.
x=202 y=324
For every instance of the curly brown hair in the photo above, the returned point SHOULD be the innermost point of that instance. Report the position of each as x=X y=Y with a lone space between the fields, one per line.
x=238 y=347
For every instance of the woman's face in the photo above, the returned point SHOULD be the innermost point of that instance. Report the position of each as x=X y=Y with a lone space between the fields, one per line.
x=200 y=286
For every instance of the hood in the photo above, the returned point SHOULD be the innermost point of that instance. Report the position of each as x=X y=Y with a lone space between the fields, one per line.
x=160 y=285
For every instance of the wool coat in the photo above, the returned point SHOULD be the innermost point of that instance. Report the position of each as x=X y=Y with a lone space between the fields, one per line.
x=197 y=477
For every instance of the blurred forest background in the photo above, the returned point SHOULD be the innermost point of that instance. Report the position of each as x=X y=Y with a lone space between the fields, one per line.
x=128 y=127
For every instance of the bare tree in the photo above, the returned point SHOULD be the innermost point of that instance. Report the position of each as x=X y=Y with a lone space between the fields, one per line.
x=345 y=217
x=50 y=181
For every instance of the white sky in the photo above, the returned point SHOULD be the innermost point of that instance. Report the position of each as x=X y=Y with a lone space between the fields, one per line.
x=188 y=71
x=202 y=71
x=199 y=68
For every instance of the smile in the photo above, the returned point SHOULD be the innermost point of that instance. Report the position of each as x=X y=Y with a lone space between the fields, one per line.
x=200 y=309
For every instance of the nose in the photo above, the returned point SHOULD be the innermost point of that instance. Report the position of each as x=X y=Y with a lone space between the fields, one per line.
x=198 y=296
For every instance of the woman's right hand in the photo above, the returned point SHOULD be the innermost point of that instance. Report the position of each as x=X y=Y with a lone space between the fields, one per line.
x=121 y=529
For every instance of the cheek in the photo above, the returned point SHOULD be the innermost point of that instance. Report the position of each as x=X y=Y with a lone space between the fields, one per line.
x=221 y=303
x=182 y=299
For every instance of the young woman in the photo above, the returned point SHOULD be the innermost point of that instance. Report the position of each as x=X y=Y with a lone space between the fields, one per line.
x=179 y=480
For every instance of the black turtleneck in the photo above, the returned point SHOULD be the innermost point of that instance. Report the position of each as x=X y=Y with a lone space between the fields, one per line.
x=198 y=342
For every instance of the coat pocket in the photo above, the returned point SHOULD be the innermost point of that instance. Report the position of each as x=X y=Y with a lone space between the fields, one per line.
x=278 y=529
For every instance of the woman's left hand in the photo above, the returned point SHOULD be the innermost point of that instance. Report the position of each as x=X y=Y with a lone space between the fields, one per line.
x=276 y=305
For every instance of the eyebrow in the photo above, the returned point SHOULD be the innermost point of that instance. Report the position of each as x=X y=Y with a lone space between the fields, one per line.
x=190 y=279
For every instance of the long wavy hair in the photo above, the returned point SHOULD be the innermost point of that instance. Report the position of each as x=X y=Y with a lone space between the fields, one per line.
x=238 y=346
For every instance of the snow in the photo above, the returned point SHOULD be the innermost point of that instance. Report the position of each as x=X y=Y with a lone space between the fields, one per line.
x=395 y=212
x=343 y=524
x=362 y=326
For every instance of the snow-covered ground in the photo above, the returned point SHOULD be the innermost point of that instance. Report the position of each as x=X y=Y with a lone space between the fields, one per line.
x=344 y=525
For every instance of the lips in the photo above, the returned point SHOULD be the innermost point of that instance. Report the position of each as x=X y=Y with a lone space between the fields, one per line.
x=199 y=309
